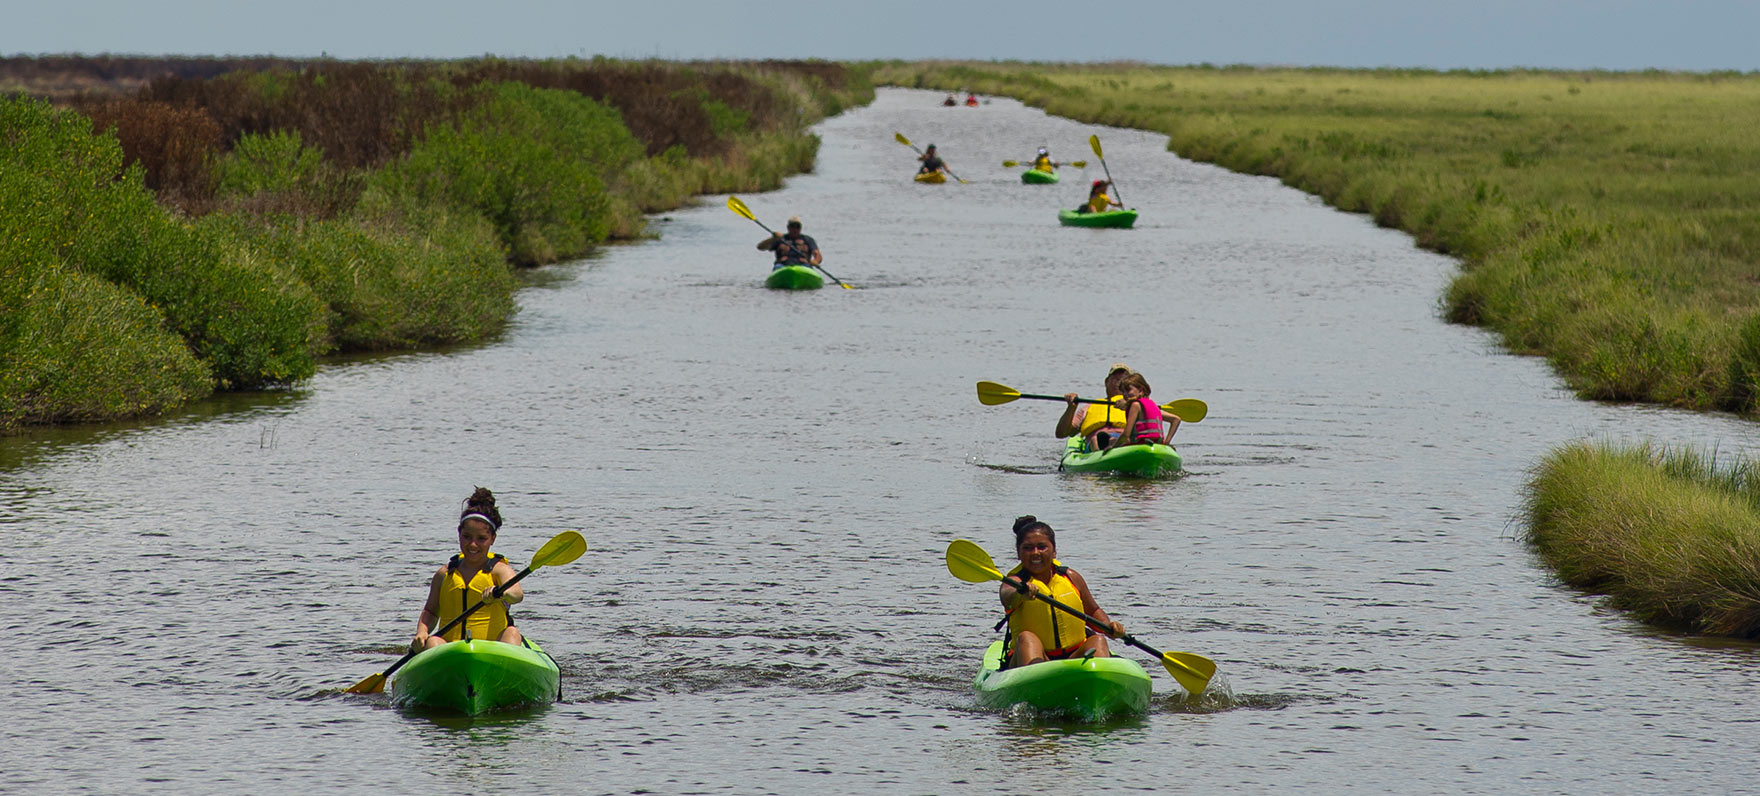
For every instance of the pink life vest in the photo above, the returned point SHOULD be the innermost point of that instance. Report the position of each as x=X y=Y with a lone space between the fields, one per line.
x=1148 y=428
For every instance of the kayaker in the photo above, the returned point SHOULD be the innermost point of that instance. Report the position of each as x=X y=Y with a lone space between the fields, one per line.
x=793 y=248
x=1142 y=417
x=931 y=161
x=950 y=101
x=1037 y=631
x=1043 y=161
x=470 y=576
x=1096 y=423
x=1098 y=201
x=971 y=99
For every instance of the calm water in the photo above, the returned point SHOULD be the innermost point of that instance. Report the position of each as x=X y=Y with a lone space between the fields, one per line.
x=767 y=482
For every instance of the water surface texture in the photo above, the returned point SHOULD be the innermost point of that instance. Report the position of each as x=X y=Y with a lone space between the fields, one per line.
x=767 y=482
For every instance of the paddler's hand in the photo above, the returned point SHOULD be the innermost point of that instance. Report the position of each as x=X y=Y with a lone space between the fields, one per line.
x=490 y=597
x=1117 y=629
x=1070 y=398
x=420 y=643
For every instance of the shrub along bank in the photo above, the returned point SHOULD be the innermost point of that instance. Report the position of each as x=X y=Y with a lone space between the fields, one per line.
x=226 y=232
x=1671 y=535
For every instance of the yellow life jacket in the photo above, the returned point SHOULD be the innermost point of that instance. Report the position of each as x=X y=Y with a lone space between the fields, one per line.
x=1056 y=629
x=457 y=596
x=1099 y=203
x=1042 y=163
x=1102 y=416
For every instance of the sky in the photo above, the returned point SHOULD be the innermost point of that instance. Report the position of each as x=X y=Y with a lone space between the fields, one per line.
x=1682 y=35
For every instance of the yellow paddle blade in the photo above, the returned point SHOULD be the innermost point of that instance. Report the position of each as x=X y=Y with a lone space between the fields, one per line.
x=561 y=549
x=1009 y=164
x=968 y=562
x=992 y=394
x=1094 y=141
x=903 y=140
x=1192 y=672
x=1190 y=410
x=372 y=685
x=737 y=206
x=1080 y=164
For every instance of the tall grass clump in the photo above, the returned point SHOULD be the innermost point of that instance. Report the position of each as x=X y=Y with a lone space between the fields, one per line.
x=1670 y=535
x=1606 y=221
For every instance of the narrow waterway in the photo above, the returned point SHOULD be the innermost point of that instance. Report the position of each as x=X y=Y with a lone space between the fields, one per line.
x=767 y=482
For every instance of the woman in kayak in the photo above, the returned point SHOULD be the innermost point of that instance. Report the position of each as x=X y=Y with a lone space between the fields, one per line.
x=1142 y=418
x=794 y=248
x=931 y=161
x=1036 y=631
x=1098 y=201
x=1098 y=424
x=472 y=575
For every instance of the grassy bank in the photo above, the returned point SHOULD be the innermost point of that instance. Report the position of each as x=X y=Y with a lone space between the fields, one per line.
x=1670 y=535
x=225 y=231
x=1607 y=221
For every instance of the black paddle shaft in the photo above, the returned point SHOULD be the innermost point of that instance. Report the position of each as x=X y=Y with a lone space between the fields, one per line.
x=1061 y=398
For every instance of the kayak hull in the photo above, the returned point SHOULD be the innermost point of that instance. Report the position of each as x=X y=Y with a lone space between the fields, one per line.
x=1039 y=177
x=1112 y=219
x=1091 y=688
x=1147 y=461
x=795 y=277
x=931 y=177
x=477 y=676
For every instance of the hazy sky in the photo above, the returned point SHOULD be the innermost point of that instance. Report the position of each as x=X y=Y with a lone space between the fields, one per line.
x=1692 y=35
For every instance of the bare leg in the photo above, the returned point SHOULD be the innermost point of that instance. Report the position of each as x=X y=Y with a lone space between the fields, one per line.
x=511 y=636
x=1027 y=649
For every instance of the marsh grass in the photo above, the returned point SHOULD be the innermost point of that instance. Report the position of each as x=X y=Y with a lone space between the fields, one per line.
x=1672 y=535
x=1607 y=221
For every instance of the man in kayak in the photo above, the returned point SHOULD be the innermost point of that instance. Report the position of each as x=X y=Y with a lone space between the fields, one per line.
x=931 y=161
x=470 y=576
x=1098 y=424
x=793 y=248
x=1098 y=201
x=1036 y=631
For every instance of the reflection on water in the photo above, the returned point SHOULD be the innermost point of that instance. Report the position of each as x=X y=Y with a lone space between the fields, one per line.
x=768 y=481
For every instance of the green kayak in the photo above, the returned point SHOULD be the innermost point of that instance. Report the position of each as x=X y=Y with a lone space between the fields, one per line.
x=1091 y=688
x=1118 y=219
x=477 y=676
x=795 y=277
x=1144 y=460
x=1039 y=177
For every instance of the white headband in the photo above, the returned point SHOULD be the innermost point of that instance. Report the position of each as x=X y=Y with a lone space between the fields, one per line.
x=484 y=517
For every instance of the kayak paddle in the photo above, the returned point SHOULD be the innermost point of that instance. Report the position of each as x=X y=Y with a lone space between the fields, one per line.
x=737 y=206
x=1188 y=410
x=1094 y=141
x=907 y=142
x=968 y=562
x=563 y=548
x=1009 y=164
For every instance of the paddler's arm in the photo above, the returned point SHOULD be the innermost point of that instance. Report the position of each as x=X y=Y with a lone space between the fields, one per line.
x=430 y=609
x=1011 y=597
x=769 y=243
x=1172 y=425
x=1068 y=425
x=1132 y=414
x=503 y=573
x=816 y=257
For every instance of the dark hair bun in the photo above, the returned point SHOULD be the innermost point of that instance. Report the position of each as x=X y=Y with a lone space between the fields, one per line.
x=482 y=501
x=1022 y=522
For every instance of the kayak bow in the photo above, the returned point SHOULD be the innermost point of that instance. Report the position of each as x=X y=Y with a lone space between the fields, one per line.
x=478 y=676
x=1091 y=688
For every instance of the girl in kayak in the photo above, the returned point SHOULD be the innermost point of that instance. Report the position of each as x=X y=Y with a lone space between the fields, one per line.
x=1097 y=423
x=472 y=575
x=1142 y=417
x=1043 y=161
x=1098 y=201
x=1036 y=631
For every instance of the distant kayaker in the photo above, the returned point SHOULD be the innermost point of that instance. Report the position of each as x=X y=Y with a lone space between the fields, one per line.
x=1142 y=417
x=793 y=248
x=931 y=161
x=1096 y=423
x=1037 y=631
x=971 y=99
x=470 y=576
x=1043 y=161
x=950 y=101
x=1098 y=201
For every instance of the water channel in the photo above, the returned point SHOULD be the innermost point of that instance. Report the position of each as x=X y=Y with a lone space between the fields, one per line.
x=767 y=482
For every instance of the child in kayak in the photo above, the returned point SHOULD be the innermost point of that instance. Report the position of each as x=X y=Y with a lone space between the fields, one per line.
x=1097 y=423
x=1043 y=161
x=1036 y=631
x=1098 y=201
x=1142 y=417
x=472 y=575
